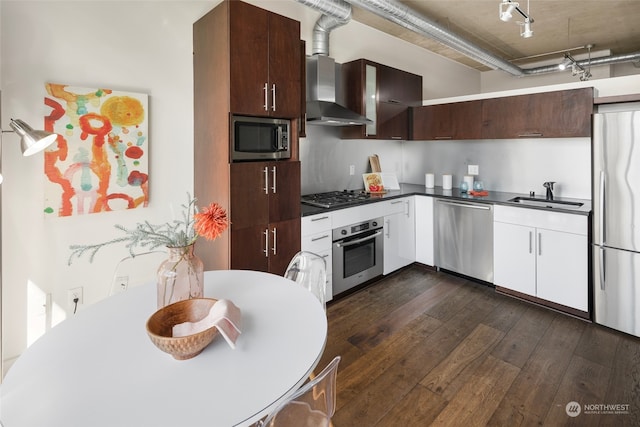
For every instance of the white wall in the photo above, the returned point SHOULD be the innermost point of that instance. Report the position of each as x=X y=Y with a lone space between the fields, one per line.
x=136 y=46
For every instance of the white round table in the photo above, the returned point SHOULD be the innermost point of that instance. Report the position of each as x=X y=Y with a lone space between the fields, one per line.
x=99 y=368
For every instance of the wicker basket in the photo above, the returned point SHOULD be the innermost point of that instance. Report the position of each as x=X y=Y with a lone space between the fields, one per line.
x=160 y=326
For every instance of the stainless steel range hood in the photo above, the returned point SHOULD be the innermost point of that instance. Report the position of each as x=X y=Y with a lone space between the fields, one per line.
x=323 y=85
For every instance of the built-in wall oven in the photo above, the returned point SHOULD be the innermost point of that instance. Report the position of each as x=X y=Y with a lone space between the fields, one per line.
x=357 y=254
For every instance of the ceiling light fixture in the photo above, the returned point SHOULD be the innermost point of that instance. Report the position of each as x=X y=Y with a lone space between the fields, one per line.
x=505 y=13
x=566 y=63
x=526 y=29
x=577 y=69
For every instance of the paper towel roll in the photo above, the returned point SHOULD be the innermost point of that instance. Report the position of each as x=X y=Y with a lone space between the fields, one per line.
x=447 y=181
x=429 y=180
x=469 y=180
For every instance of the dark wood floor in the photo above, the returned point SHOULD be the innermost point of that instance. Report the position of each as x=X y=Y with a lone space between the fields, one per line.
x=426 y=348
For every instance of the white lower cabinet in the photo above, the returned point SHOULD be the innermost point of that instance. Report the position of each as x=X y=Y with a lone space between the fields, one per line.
x=317 y=238
x=424 y=230
x=542 y=254
x=399 y=235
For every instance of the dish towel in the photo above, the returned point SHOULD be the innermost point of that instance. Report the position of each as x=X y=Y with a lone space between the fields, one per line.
x=224 y=315
x=479 y=193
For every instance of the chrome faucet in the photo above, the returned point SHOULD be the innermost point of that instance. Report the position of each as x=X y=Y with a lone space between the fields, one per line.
x=549 y=186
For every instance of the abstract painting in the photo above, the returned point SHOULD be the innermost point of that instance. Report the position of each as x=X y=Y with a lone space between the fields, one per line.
x=100 y=161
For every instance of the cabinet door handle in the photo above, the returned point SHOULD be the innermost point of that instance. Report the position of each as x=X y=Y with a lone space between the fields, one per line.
x=266 y=243
x=273 y=175
x=273 y=97
x=326 y=236
x=275 y=238
x=266 y=180
x=539 y=243
x=603 y=276
x=406 y=209
x=443 y=137
x=601 y=203
x=530 y=135
x=266 y=97
x=388 y=234
x=320 y=219
x=531 y=242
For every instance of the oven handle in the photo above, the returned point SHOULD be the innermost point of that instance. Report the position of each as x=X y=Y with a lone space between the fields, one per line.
x=355 y=242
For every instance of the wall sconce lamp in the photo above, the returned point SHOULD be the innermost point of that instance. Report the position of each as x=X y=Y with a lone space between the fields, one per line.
x=31 y=141
x=505 y=13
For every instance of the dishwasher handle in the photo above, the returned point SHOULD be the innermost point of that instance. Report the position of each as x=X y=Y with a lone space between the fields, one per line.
x=466 y=205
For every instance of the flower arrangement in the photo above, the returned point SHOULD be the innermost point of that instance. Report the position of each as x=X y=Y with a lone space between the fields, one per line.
x=208 y=223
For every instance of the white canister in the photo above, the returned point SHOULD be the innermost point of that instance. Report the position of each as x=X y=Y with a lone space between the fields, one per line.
x=429 y=180
x=469 y=180
x=447 y=182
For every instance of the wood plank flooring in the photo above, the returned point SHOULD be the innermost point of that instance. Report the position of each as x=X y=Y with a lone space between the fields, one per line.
x=423 y=348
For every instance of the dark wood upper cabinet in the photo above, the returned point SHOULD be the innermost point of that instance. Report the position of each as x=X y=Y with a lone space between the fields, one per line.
x=458 y=120
x=559 y=114
x=264 y=64
x=383 y=94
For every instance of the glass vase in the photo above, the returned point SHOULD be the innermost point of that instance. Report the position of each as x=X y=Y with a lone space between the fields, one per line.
x=180 y=277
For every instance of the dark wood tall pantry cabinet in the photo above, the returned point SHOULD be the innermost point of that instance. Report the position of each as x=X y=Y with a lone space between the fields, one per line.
x=247 y=62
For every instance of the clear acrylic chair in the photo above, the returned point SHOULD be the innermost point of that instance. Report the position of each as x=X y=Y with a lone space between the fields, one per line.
x=136 y=270
x=312 y=405
x=309 y=270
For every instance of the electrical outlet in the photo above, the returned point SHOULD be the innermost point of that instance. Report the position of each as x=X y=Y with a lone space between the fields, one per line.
x=72 y=294
x=122 y=283
x=473 y=170
x=352 y=169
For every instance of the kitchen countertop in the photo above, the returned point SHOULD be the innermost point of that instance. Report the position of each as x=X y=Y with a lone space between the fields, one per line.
x=494 y=197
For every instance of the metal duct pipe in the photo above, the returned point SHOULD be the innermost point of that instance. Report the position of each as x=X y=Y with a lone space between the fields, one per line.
x=335 y=14
x=605 y=60
x=404 y=16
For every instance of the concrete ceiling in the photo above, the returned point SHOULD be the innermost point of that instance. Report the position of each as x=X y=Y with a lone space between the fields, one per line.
x=559 y=26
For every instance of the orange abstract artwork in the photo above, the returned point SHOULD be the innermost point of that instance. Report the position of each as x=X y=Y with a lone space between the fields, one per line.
x=99 y=162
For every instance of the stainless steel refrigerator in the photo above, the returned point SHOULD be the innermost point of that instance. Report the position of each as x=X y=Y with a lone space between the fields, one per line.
x=616 y=220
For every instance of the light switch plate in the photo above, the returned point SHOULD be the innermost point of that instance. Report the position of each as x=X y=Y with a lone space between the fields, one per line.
x=473 y=169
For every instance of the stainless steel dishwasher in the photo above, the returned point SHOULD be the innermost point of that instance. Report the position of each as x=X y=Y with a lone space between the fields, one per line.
x=464 y=238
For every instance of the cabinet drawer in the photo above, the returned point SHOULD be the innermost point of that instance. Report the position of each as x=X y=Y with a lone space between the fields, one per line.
x=395 y=206
x=558 y=221
x=319 y=242
x=316 y=223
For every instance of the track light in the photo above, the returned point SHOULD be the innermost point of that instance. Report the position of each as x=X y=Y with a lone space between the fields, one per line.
x=506 y=10
x=576 y=69
x=566 y=63
x=526 y=29
x=505 y=13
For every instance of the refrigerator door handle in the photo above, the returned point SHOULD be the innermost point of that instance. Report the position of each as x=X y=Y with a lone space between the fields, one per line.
x=601 y=202
x=602 y=269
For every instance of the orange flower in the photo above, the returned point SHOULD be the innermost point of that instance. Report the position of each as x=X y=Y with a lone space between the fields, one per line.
x=211 y=221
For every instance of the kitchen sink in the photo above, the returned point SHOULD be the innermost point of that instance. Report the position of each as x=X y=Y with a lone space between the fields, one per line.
x=531 y=201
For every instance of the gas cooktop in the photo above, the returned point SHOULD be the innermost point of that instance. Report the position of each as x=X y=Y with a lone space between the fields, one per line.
x=335 y=198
